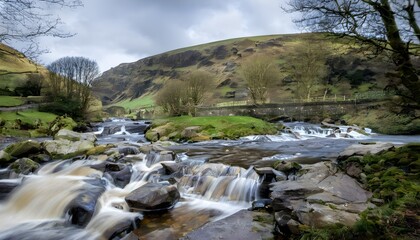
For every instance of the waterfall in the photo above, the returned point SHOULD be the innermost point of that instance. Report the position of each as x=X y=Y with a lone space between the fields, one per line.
x=219 y=182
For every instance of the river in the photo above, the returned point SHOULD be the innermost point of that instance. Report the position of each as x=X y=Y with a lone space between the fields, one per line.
x=217 y=180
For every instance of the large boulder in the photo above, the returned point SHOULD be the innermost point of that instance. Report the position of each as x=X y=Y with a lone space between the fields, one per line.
x=74 y=136
x=23 y=149
x=82 y=208
x=24 y=166
x=66 y=148
x=318 y=197
x=153 y=197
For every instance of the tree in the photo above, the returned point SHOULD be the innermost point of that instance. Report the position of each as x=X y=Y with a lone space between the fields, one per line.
x=384 y=25
x=259 y=72
x=74 y=76
x=172 y=98
x=180 y=97
x=309 y=68
x=23 y=21
x=197 y=84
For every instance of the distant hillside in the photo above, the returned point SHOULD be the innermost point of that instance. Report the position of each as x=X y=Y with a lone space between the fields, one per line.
x=350 y=71
x=15 y=69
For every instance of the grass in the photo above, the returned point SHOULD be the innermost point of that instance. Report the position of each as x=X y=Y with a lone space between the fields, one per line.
x=225 y=127
x=9 y=101
x=143 y=101
x=28 y=116
x=28 y=123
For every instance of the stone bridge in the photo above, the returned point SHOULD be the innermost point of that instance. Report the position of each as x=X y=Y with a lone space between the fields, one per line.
x=315 y=111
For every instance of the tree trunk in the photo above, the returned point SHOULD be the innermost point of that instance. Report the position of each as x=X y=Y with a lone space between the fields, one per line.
x=401 y=56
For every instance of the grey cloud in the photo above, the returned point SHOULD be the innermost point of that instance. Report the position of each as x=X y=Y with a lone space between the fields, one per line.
x=112 y=32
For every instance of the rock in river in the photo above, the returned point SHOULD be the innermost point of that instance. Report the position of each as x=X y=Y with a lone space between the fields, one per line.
x=153 y=197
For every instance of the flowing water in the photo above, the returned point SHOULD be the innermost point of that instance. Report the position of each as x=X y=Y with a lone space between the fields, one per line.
x=217 y=180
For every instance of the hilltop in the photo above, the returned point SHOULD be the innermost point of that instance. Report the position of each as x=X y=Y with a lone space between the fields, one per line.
x=350 y=71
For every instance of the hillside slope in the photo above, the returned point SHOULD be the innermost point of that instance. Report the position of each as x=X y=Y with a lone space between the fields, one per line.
x=15 y=69
x=350 y=71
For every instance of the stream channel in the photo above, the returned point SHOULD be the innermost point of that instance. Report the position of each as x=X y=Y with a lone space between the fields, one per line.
x=216 y=179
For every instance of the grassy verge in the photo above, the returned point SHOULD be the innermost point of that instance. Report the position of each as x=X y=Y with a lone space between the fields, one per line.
x=28 y=123
x=9 y=101
x=207 y=128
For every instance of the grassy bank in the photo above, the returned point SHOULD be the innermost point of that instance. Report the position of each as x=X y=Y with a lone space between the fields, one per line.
x=28 y=123
x=385 y=122
x=187 y=128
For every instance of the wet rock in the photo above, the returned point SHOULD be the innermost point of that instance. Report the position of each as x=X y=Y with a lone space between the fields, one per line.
x=6 y=187
x=361 y=150
x=4 y=158
x=24 y=166
x=122 y=177
x=41 y=158
x=244 y=225
x=190 y=132
x=74 y=136
x=171 y=167
x=287 y=167
x=157 y=157
x=163 y=234
x=153 y=197
x=82 y=208
x=126 y=150
x=261 y=204
x=123 y=229
x=23 y=149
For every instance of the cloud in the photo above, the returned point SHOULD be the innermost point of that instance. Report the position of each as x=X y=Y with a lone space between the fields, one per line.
x=113 y=32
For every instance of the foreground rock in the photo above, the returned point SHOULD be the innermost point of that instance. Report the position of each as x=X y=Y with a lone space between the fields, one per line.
x=153 y=197
x=320 y=196
x=244 y=225
x=67 y=144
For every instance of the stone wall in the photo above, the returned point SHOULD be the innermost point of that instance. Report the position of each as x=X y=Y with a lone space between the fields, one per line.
x=297 y=111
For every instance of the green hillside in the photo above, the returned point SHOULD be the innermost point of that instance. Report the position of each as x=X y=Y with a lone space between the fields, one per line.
x=16 y=70
x=350 y=71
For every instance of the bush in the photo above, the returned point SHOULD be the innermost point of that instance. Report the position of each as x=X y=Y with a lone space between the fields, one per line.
x=64 y=106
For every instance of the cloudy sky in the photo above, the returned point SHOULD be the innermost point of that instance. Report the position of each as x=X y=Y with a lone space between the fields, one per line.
x=118 y=31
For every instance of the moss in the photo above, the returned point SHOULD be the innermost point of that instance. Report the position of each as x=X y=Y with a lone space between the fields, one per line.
x=97 y=150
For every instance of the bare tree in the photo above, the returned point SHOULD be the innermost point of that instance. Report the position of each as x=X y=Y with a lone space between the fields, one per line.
x=259 y=72
x=77 y=75
x=385 y=25
x=309 y=68
x=172 y=98
x=197 y=84
x=23 y=21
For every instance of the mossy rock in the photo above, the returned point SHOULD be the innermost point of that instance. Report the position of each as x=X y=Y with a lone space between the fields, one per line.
x=97 y=150
x=4 y=157
x=24 y=166
x=61 y=123
x=24 y=148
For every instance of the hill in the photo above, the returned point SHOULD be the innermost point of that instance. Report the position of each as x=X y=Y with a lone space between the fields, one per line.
x=349 y=70
x=16 y=70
